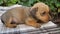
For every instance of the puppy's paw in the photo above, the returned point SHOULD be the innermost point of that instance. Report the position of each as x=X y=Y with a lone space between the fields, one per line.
x=37 y=25
x=11 y=25
x=32 y=22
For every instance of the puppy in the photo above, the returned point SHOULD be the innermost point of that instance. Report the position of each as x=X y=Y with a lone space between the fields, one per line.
x=26 y=15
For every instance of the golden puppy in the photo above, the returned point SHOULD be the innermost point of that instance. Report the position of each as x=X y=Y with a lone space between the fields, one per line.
x=26 y=15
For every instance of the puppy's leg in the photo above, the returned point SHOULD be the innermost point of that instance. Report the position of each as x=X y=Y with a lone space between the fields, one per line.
x=8 y=23
x=32 y=22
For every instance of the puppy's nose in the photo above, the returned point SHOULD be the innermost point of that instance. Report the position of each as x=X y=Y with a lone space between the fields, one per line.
x=50 y=19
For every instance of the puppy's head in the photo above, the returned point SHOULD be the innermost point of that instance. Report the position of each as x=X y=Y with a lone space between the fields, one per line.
x=41 y=12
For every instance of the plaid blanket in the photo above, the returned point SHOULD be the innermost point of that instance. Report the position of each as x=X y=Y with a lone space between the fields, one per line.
x=48 y=28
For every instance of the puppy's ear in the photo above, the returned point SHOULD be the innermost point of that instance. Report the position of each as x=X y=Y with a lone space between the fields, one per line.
x=34 y=10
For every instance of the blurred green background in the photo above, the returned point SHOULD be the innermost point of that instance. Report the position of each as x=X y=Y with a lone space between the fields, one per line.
x=53 y=4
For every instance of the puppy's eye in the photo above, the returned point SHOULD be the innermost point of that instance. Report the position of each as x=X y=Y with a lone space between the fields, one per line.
x=43 y=13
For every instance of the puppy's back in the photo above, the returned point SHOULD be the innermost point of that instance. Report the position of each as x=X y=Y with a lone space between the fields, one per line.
x=20 y=13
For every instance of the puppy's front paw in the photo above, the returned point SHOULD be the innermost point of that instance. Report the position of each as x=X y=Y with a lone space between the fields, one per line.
x=37 y=25
x=32 y=22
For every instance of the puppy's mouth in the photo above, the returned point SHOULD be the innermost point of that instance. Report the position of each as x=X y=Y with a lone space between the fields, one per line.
x=40 y=21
